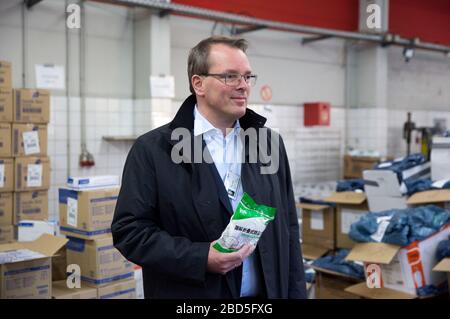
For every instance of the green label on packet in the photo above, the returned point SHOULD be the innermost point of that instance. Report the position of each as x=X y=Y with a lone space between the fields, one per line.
x=246 y=225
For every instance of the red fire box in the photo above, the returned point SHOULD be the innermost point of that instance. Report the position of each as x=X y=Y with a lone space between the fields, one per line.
x=317 y=113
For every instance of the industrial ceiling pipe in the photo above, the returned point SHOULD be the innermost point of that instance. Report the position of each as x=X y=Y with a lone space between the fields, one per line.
x=255 y=23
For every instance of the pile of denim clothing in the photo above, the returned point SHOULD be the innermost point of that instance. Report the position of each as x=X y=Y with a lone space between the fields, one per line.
x=443 y=249
x=350 y=185
x=398 y=166
x=432 y=290
x=401 y=226
x=310 y=274
x=337 y=263
x=401 y=164
x=421 y=185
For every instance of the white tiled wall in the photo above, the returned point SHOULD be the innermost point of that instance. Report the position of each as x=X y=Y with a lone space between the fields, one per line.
x=104 y=117
x=315 y=153
x=368 y=129
x=382 y=129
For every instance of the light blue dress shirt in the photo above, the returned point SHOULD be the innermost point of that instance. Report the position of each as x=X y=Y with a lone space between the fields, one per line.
x=227 y=153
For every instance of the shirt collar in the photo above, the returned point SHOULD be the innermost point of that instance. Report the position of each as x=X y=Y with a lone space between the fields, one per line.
x=202 y=125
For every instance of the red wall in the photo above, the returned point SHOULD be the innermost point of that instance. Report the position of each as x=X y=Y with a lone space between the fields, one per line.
x=334 y=14
x=427 y=19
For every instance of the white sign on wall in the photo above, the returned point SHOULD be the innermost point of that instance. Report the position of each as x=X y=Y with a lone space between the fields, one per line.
x=50 y=76
x=162 y=87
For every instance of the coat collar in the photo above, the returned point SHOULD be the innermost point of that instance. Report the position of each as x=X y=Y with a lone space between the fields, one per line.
x=185 y=117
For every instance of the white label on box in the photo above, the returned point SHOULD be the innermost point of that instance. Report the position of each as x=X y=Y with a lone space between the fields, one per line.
x=348 y=217
x=2 y=175
x=392 y=274
x=30 y=230
x=317 y=220
x=31 y=142
x=18 y=255
x=34 y=175
x=72 y=212
x=383 y=223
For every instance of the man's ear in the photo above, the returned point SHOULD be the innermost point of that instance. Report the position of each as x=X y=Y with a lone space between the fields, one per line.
x=197 y=84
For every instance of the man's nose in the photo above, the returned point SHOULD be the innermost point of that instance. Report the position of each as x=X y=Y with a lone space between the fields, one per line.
x=242 y=84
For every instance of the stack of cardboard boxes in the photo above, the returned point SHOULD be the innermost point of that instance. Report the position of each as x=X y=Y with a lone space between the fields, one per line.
x=28 y=268
x=85 y=218
x=24 y=165
x=31 y=163
x=401 y=271
x=6 y=161
x=325 y=229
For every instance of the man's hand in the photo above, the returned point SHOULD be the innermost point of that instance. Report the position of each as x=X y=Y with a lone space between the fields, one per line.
x=222 y=263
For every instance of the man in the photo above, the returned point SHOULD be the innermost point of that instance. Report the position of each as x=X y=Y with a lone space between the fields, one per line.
x=173 y=207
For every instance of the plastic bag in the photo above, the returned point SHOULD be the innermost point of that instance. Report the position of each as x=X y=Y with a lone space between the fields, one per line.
x=246 y=225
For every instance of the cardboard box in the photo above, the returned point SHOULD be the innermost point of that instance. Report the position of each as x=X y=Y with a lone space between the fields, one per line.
x=438 y=197
x=30 y=206
x=100 y=262
x=440 y=155
x=365 y=292
x=444 y=266
x=139 y=280
x=119 y=290
x=5 y=140
x=355 y=165
x=29 y=230
x=61 y=291
x=59 y=265
x=318 y=225
x=403 y=268
x=350 y=207
x=5 y=75
x=6 y=105
x=31 y=106
x=383 y=189
x=93 y=182
x=332 y=285
x=25 y=268
x=31 y=173
x=312 y=252
x=29 y=139
x=6 y=208
x=6 y=175
x=87 y=214
x=7 y=234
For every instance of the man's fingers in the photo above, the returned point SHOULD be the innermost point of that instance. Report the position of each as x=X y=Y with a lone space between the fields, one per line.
x=246 y=251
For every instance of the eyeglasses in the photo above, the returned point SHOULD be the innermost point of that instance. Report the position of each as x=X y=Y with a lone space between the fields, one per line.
x=234 y=79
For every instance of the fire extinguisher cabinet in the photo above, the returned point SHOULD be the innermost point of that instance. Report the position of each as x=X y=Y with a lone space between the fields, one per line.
x=316 y=113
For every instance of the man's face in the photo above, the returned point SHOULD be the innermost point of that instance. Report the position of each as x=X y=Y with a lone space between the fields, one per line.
x=229 y=102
